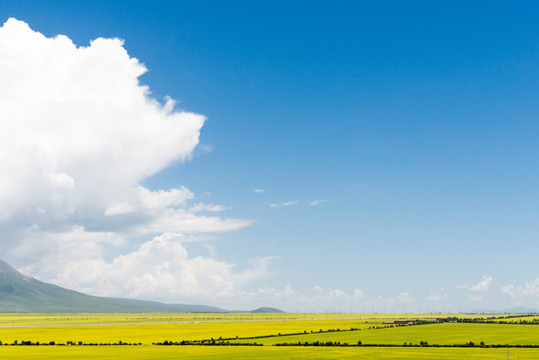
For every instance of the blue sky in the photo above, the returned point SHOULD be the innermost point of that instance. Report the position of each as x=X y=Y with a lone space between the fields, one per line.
x=397 y=143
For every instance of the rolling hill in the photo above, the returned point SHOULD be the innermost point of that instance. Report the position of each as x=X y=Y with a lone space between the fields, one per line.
x=20 y=293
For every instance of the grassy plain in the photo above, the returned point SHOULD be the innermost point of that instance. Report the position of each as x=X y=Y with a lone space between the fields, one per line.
x=153 y=328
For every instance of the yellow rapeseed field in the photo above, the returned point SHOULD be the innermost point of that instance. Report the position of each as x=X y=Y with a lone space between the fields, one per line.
x=143 y=330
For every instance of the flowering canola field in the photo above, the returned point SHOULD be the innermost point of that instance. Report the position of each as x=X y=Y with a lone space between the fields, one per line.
x=282 y=336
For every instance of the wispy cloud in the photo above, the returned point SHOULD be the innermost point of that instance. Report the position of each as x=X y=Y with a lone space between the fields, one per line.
x=436 y=297
x=317 y=202
x=205 y=148
x=259 y=191
x=475 y=298
x=207 y=207
x=285 y=204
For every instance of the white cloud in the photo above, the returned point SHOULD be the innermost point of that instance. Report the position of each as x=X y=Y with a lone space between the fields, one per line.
x=205 y=148
x=207 y=207
x=509 y=290
x=287 y=292
x=159 y=268
x=481 y=286
x=259 y=191
x=336 y=293
x=293 y=300
x=46 y=252
x=284 y=204
x=529 y=290
x=146 y=200
x=78 y=130
x=289 y=203
x=316 y=202
x=79 y=135
x=358 y=294
x=181 y=220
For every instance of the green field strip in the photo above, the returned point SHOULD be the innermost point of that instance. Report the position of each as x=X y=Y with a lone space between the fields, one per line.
x=443 y=334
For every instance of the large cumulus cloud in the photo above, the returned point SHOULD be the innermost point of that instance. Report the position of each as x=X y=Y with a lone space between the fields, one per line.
x=76 y=124
x=78 y=135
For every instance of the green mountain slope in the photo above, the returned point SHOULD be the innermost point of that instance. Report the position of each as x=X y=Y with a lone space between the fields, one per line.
x=20 y=293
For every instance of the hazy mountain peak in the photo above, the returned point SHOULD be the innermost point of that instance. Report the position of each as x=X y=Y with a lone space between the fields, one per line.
x=7 y=269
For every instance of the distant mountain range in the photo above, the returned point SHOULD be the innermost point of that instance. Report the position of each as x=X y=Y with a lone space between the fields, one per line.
x=20 y=293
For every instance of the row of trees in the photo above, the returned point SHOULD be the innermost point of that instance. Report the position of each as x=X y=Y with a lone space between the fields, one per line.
x=213 y=342
x=68 y=343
